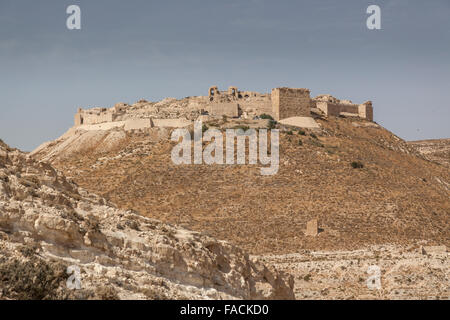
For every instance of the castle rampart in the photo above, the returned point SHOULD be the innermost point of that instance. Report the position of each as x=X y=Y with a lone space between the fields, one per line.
x=281 y=103
x=364 y=110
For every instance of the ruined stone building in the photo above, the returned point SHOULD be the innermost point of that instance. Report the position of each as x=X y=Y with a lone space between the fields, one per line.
x=281 y=103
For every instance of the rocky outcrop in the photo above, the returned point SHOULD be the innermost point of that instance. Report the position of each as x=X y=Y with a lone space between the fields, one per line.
x=46 y=221
x=437 y=150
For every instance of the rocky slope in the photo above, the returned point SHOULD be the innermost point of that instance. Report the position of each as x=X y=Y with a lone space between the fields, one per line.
x=396 y=197
x=48 y=223
x=434 y=150
x=405 y=272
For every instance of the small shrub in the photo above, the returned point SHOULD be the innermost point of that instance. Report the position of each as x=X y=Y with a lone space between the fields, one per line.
x=32 y=279
x=224 y=118
x=300 y=142
x=266 y=116
x=302 y=132
x=357 y=165
x=316 y=143
x=313 y=135
x=204 y=127
x=154 y=294
x=133 y=225
x=331 y=149
x=289 y=132
x=272 y=124
x=28 y=250
x=106 y=293
x=245 y=128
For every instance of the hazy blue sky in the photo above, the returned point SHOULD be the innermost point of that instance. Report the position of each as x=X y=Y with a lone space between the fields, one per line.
x=128 y=50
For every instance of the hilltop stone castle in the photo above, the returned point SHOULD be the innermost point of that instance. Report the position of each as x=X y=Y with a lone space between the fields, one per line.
x=281 y=103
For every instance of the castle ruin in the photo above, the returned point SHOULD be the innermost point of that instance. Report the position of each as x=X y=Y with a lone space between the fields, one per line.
x=282 y=103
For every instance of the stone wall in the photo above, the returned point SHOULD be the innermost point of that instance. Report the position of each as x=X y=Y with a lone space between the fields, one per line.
x=171 y=123
x=364 y=111
x=281 y=103
x=78 y=121
x=137 y=124
x=257 y=106
x=229 y=109
x=94 y=116
x=349 y=108
x=97 y=118
x=289 y=102
x=330 y=109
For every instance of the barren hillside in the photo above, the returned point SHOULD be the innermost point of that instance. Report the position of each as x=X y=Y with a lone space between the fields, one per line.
x=396 y=197
x=437 y=150
x=47 y=223
x=406 y=272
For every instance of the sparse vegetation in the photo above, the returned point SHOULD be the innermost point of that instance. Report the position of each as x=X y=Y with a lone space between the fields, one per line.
x=154 y=294
x=266 y=116
x=272 y=124
x=357 y=165
x=32 y=279
x=316 y=143
x=106 y=293
x=133 y=225
x=243 y=127
x=302 y=132
x=300 y=142
x=331 y=149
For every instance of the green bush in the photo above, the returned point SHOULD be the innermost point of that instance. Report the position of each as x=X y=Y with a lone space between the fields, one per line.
x=313 y=135
x=289 y=132
x=357 y=165
x=302 y=132
x=300 y=142
x=272 y=124
x=245 y=128
x=266 y=116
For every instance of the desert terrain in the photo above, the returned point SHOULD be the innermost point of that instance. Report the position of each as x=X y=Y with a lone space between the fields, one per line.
x=377 y=199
